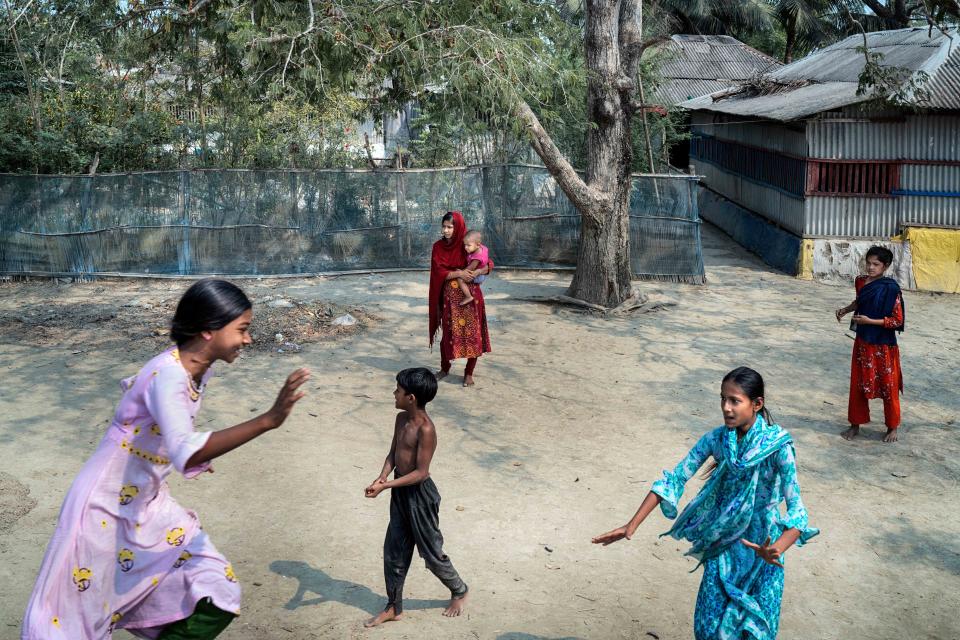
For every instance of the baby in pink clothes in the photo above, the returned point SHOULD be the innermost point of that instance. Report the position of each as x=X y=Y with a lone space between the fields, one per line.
x=478 y=257
x=125 y=554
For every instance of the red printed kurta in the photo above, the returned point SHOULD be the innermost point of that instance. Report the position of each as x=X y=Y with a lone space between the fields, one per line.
x=464 y=327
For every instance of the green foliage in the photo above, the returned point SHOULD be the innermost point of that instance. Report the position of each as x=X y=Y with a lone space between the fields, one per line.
x=281 y=83
x=891 y=85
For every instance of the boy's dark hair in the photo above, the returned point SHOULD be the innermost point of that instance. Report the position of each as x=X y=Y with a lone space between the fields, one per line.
x=882 y=254
x=208 y=304
x=420 y=382
x=751 y=383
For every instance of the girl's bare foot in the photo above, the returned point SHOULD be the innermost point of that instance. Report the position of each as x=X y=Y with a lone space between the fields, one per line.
x=468 y=381
x=387 y=615
x=852 y=432
x=456 y=606
x=466 y=301
x=891 y=435
x=440 y=375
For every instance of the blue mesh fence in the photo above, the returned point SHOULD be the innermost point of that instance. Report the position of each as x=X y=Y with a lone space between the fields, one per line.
x=239 y=222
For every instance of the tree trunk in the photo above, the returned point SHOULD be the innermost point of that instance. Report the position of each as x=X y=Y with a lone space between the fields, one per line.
x=613 y=46
x=603 y=259
x=27 y=78
x=791 y=33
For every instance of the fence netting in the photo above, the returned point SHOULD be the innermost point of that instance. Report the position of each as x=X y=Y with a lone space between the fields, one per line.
x=249 y=222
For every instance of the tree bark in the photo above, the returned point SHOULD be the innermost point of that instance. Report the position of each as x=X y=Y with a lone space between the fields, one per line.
x=28 y=79
x=613 y=43
x=791 y=35
x=603 y=260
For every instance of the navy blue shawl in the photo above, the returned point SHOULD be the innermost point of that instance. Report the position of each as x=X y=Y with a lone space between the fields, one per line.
x=876 y=300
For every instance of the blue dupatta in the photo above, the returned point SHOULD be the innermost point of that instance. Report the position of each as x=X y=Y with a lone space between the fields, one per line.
x=876 y=300
x=715 y=519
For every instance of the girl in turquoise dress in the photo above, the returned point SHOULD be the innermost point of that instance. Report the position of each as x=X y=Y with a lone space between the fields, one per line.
x=736 y=515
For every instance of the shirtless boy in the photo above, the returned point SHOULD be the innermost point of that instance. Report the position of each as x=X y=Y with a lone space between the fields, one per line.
x=414 y=499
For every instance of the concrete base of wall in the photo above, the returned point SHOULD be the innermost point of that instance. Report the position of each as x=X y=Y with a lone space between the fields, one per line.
x=840 y=260
x=923 y=259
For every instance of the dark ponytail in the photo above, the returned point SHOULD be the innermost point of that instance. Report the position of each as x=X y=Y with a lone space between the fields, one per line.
x=207 y=305
x=751 y=383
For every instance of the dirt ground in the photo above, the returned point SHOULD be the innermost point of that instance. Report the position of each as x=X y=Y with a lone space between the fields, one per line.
x=572 y=419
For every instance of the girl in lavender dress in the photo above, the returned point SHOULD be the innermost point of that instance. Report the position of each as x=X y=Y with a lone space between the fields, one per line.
x=125 y=554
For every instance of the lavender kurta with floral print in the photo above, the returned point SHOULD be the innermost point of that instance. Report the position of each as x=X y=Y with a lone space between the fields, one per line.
x=125 y=554
x=740 y=594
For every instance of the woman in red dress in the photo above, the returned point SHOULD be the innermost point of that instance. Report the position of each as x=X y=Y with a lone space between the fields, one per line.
x=464 y=328
x=875 y=370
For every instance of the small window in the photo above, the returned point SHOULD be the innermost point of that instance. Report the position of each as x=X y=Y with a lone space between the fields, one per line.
x=831 y=178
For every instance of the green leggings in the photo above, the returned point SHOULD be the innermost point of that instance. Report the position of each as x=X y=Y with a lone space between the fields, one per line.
x=205 y=623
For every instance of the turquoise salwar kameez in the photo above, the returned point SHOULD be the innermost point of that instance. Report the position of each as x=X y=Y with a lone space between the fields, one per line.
x=740 y=594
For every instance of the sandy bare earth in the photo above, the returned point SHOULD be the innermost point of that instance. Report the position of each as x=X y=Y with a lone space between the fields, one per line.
x=572 y=419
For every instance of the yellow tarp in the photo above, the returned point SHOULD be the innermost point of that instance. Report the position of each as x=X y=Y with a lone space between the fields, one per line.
x=936 y=258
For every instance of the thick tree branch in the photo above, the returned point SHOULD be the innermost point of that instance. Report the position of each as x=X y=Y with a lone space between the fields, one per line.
x=585 y=198
x=640 y=106
x=881 y=10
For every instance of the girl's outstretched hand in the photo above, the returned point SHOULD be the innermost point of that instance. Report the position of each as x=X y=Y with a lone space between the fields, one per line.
x=611 y=536
x=288 y=396
x=767 y=551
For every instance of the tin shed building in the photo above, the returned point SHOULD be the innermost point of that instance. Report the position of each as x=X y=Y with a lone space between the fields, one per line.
x=808 y=174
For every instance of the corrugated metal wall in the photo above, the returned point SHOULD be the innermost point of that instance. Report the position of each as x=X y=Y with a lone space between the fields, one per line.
x=770 y=203
x=928 y=138
x=846 y=135
x=930 y=177
x=852 y=217
x=925 y=137
x=929 y=210
x=773 y=136
x=773 y=205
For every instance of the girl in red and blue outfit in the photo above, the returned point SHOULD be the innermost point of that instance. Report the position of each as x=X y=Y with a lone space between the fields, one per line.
x=879 y=312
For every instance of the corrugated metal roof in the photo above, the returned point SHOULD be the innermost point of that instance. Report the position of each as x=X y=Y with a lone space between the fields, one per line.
x=788 y=105
x=696 y=65
x=677 y=91
x=944 y=86
x=833 y=74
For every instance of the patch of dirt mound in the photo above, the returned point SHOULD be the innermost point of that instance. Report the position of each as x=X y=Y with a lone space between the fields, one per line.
x=15 y=501
x=143 y=324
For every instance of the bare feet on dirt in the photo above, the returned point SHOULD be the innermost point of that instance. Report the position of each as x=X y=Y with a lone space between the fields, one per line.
x=468 y=381
x=852 y=432
x=440 y=375
x=456 y=606
x=387 y=615
x=890 y=436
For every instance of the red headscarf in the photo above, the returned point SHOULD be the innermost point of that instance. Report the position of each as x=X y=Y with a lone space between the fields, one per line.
x=447 y=256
